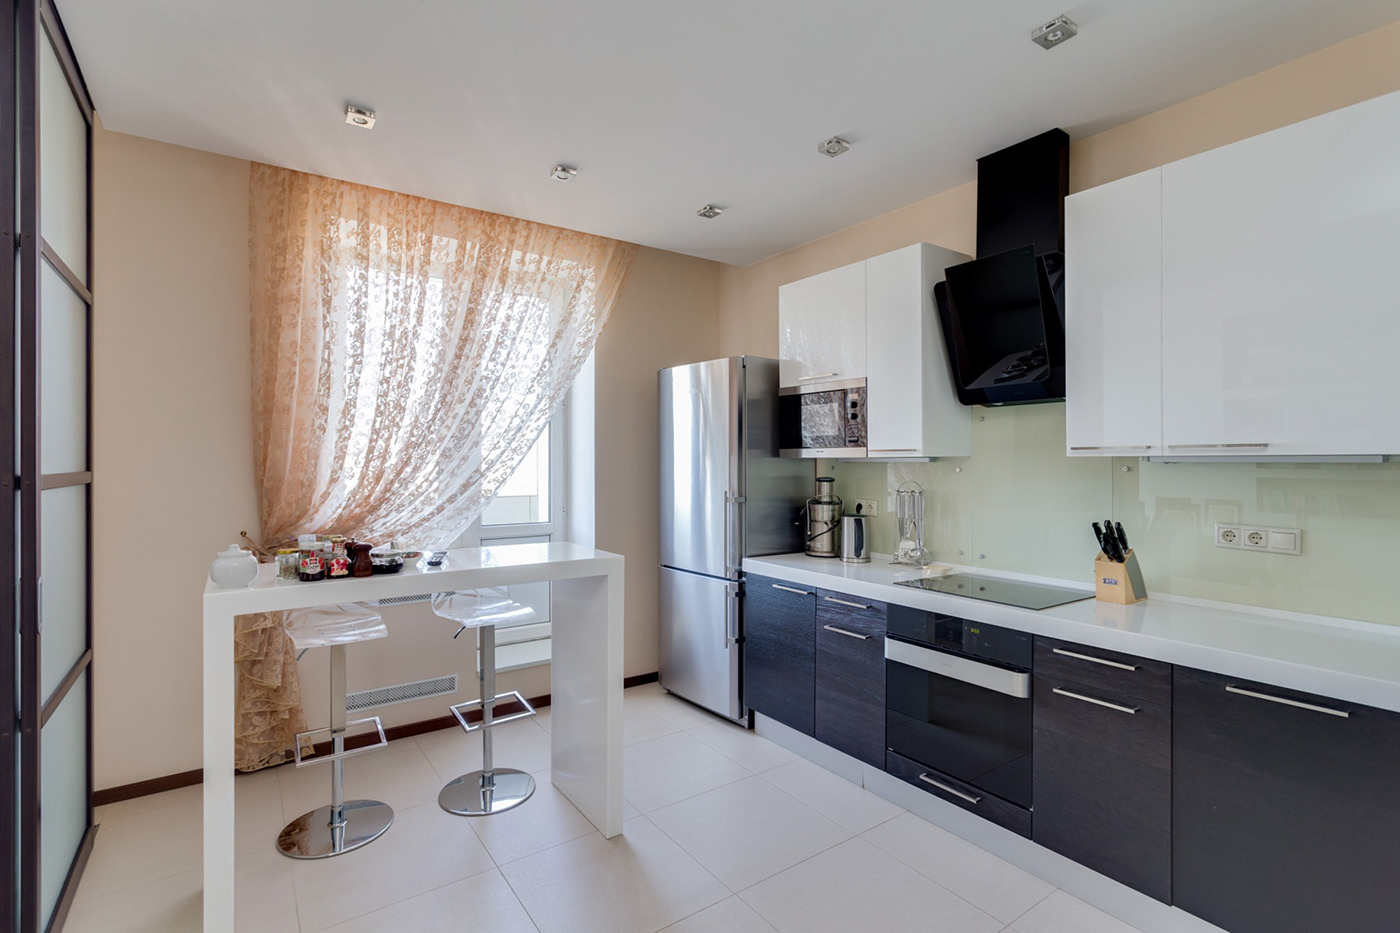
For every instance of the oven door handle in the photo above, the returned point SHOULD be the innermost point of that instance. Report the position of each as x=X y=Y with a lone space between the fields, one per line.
x=1012 y=683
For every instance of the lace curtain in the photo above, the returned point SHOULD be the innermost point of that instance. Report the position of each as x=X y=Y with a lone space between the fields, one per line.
x=406 y=355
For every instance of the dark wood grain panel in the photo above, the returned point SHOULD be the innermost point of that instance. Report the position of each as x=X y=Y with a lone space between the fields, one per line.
x=988 y=806
x=1285 y=820
x=1150 y=681
x=1102 y=781
x=850 y=694
x=780 y=651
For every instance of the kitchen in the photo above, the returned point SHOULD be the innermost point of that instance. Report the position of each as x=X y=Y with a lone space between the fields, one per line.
x=171 y=227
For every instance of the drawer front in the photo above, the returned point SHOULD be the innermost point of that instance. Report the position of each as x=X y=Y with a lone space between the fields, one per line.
x=1102 y=781
x=988 y=806
x=779 y=651
x=851 y=677
x=854 y=615
x=1141 y=679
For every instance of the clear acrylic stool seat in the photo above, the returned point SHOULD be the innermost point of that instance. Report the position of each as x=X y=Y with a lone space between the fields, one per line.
x=342 y=825
x=490 y=789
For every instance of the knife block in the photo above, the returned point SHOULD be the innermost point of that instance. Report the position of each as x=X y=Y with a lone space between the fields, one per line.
x=1118 y=583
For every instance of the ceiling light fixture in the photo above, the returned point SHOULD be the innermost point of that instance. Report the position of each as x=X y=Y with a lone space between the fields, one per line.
x=1056 y=32
x=562 y=172
x=833 y=147
x=359 y=116
x=710 y=212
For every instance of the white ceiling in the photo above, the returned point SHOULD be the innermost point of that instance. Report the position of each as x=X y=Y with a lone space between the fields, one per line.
x=664 y=106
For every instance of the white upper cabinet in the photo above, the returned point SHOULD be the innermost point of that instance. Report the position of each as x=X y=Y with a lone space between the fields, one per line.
x=911 y=404
x=1113 y=318
x=821 y=327
x=1281 y=297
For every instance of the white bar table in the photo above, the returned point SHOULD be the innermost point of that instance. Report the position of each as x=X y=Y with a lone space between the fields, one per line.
x=585 y=677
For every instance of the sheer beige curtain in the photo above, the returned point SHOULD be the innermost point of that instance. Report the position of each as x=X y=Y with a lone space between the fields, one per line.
x=406 y=355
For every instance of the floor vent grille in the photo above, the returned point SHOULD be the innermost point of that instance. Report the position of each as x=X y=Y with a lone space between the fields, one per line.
x=401 y=693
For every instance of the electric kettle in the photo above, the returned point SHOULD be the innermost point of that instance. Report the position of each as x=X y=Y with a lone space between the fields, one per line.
x=855 y=539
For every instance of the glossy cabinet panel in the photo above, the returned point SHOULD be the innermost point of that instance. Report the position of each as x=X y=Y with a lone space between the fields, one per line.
x=1280 y=304
x=1285 y=812
x=911 y=401
x=821 y=327
x=780 y=651
x=1113 y=318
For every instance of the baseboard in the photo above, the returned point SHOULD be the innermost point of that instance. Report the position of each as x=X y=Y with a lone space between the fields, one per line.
x=159 y=785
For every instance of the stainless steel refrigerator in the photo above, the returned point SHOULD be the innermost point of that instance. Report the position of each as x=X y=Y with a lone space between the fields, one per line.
x=725 y=494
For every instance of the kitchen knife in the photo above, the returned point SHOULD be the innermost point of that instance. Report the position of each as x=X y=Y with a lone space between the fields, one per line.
x=1098 y=533
x=1122 y=538
x=1114 y=552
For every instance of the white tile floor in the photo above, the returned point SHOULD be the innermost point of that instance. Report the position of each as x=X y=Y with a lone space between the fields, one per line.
x=724 y=831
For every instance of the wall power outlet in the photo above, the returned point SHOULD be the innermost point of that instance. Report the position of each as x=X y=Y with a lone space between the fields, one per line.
x=866 y=507
x=1252 y=538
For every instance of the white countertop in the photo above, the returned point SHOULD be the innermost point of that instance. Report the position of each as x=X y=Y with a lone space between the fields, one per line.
x=1342 y=658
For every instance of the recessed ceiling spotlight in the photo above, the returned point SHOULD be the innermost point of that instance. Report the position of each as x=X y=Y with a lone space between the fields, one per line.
x=833 y=147
x=562 y=172
x=359 y=116
x=710 y=212
x=1056 y=32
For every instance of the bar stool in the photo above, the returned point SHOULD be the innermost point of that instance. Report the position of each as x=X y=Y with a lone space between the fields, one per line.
x=491 y=789
x=343 y=825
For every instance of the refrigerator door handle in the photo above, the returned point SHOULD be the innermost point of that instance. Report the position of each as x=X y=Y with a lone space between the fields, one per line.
x=731 y=615
x=731 y=537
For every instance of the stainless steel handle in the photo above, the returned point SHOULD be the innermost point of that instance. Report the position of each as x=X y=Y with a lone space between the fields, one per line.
x=1086 y=657
x=729 y=564
x=1216 y=446
x=1012 y=683
x=1080 y=696
x=952 y=790
x=731 y=617
x=841 y=631
x=1117 y=447
x=892 y=450
x=1340 y=713
x=818 y=376
x=844 y=602
x=789 y=589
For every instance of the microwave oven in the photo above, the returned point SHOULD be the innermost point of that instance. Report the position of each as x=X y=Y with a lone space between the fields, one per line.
x=822 y=420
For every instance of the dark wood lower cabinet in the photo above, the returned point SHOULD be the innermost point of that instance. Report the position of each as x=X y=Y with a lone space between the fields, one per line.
x=1103 y=781
x=1286 y=817
x=850 y=691
x=780 y=651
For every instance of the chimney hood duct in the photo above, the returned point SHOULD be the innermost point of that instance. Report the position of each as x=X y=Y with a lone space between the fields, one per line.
x=1003 y=312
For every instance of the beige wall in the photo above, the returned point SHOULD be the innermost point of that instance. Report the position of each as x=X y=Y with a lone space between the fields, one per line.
x=172 y=434
x=171 y=422
x=1343 y=74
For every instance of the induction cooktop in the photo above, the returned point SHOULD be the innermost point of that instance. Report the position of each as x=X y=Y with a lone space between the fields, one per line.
x=995 y=590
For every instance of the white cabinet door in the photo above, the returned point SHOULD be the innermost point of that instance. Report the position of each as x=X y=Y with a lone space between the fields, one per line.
x=911 y=403
x=1281 y=299
x=1113 y=318
x=821 y=327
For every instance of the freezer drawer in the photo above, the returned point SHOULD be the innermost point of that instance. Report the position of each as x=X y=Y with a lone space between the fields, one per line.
x=699 y=646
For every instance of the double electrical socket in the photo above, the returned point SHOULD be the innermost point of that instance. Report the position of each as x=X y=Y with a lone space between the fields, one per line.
x=865 y=507
x=1250 y=538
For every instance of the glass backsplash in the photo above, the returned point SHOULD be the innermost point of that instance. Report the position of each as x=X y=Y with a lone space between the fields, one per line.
x=1018 y=503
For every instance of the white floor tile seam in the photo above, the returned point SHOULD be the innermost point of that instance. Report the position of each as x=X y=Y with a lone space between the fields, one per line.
x=1021 y=916
x=900 y=812
x=145 y=880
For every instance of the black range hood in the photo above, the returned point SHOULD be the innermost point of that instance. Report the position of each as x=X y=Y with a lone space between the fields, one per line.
x=1003 y=312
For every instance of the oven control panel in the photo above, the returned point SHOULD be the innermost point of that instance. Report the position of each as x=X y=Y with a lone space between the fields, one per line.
x=961 y=636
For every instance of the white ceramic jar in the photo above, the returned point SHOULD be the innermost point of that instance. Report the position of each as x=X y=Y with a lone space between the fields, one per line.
x=233 y=568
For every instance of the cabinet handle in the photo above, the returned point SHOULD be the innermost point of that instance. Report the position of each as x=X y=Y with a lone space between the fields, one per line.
x=892 y=450
x=843 y=602
x=818 y=376
x=789 y=589
x=1217 y=446
x=952 y=790
x=841 y=631
x=1104 y=661
x=1117 y=447
x=1340 y=713
x=1079 y=696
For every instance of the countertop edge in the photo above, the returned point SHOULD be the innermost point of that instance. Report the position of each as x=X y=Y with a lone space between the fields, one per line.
x=1220 y=638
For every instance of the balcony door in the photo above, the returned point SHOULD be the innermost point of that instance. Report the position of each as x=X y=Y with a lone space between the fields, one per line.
x=45 y=339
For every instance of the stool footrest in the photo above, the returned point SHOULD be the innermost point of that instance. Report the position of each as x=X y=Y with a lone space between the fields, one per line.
x=303 y=762
x=460 y=708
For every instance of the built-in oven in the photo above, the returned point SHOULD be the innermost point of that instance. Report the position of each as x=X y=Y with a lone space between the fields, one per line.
x=958 y=712
x=822 y=419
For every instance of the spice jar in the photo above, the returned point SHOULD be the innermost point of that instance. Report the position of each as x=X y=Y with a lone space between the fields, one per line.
x=362 y=564
x=310 y=566
x=288 y=564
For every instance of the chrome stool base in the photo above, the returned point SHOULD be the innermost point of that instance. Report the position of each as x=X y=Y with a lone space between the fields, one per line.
x=312 y=836
x=466 y=795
